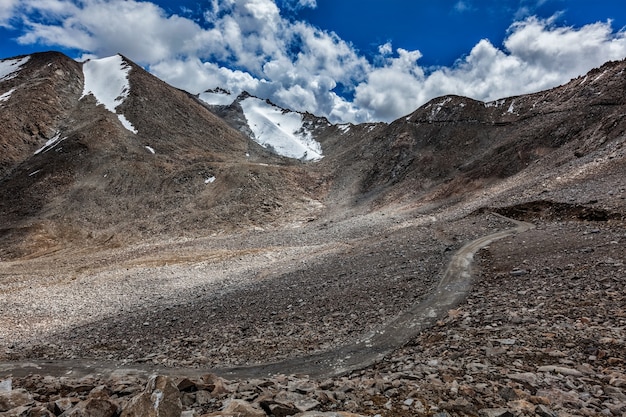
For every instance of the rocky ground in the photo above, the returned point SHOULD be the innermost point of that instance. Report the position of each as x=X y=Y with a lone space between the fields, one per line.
x=542 y=332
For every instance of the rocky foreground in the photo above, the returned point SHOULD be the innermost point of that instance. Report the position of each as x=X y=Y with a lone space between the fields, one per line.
x=542 y=332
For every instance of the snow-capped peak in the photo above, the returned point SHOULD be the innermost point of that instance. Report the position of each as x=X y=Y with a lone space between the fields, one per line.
x=107 y=80
x=281 y=130
x=217 y=97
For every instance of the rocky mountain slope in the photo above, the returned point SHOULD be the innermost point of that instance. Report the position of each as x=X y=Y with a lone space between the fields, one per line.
x=146 y=230
x=73 y=171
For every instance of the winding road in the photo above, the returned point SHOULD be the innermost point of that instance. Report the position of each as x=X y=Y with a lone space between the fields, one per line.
x=451 y=290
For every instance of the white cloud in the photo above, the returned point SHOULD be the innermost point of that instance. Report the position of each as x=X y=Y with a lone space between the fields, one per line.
x=7 y=9
x=249 y=45
x=537 y=56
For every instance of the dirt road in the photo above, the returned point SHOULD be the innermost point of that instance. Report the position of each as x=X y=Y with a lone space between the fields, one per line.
x=451 y=290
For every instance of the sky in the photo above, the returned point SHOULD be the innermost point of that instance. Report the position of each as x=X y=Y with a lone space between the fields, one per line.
x=348 y=60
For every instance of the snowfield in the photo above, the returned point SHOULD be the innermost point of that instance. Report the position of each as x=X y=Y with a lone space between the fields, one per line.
x=107 y=80
x=217 y=97
x=280 y=130
x=10 y=67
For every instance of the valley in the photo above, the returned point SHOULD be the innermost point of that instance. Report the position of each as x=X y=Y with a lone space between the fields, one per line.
x=158 y=236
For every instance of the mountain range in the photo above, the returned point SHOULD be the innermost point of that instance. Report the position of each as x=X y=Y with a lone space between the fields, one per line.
x=466 y=259
x=102 y=151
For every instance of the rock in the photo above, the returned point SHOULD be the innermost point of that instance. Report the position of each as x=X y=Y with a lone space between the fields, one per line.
x=215 y=384
x=17 y=412
x=92 y=408
x=543 y=411
x=241 y=408
x=6 y=385
x=508 y=394
x=40 y=411
x=280 y=410
x=521 y=407
x=558 y=396
x=327 y=414
x=14 y=398
x=560 y=370
x=299 y=401
x=160 y=398
x=186 y=385
x=63 y=404
x=203 y=397
x=495 y=412
x=101 y=392
x=619 y=382
x=524 y=378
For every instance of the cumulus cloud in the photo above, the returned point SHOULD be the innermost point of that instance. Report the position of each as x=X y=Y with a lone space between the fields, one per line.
x=537 y=55
x=250 y=45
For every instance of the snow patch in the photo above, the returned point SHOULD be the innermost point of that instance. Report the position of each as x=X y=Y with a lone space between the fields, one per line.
x=5 y=97
x=51 y=143
x=280 y=130
x=598 y=77
x=217 y=97
x=495 y=103
x=511 y=108
x=150 y=149
x=107 y=80
x=345 y=128
x=10 y=67
x=210 y=180
x=437 y=108
x=157 y=397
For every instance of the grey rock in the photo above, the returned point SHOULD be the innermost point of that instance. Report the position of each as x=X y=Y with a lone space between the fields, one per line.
x=560 y=370
x=544 y=411
x=6 y=385
x=524 y=378
x=495 y=412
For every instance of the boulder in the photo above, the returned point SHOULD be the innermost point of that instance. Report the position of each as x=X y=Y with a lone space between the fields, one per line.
x=14 y=398
x=160 y=398
x=241 y=408
x=92 y=407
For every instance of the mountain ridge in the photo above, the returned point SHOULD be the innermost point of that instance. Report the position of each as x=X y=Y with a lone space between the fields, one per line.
x=192 y=161
x=183 y=246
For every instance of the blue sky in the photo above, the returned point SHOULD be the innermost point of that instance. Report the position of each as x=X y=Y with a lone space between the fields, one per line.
x=349 y=60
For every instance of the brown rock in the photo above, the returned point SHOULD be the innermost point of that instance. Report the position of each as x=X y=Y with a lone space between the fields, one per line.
x=160 y=398
x=241 y=408
x=544 y=411
x=14 y=398
x=40 y=411
x=93 y=407
x=63 y=404
x=327 y=414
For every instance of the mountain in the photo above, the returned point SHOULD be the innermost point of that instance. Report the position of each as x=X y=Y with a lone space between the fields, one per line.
x=102 y=151
x=466 y=259
x=282 y=131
